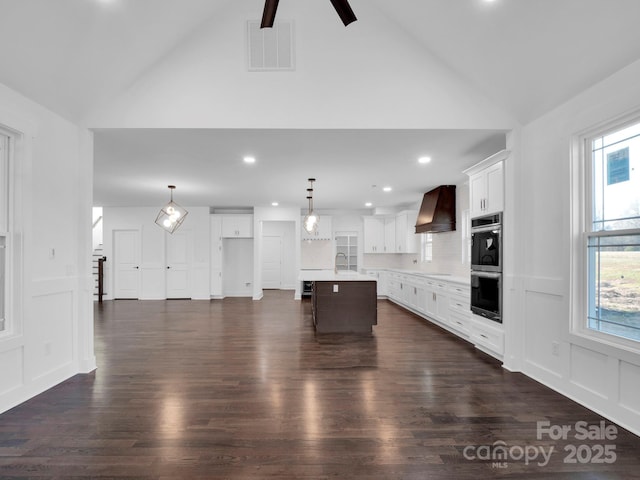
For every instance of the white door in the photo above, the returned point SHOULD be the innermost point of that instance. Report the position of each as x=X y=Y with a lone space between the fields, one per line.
x=178 y=265
x=126 y=252
x=271 y=262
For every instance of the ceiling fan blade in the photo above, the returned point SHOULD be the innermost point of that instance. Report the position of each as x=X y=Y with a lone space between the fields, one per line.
x=344 y=11
x=269 y=13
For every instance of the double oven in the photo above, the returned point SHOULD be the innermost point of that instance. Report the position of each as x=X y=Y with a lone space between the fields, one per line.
x=486 y=266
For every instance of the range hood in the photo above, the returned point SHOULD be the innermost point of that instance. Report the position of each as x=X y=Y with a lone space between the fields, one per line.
x=438 y=210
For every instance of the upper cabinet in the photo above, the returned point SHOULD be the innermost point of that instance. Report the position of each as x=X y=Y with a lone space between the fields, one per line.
x=323 y=232
x=373 y=235
x=237 y=226
x=391 y=234
x=406 y=238
x=486 y=185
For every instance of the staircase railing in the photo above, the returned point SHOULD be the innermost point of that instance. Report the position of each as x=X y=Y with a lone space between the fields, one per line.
x=101 y=261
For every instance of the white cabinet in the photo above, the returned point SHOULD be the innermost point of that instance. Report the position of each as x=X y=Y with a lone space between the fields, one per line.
x=459 y=309
x=324 y=231
x=437 y=300
x=406 y=238
x=381 y=281
x=379 y=235
x=487 y=338
x=486 y=185
x=373 y=235
x=216 y=256
x=446 y=303
x=237 y=226
x=394 y=286
x=486 y=191
x=389 y=235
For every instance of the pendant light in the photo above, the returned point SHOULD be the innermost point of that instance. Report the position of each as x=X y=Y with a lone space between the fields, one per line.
x=310 y=222
x=171 y=215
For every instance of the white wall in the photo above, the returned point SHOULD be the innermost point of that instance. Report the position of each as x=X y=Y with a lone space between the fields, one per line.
x=50 y=332
x=605 y=379
x=152 y=248
x=204 y=81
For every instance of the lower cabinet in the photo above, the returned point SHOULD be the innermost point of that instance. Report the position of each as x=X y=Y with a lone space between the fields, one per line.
x=487 y=337
x=446 y=304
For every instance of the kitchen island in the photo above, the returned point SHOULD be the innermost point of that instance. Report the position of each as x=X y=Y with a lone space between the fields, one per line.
x=344 y=302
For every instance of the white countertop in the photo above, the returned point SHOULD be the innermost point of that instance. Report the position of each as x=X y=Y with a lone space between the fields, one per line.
x=445 y=277
x=331 y=276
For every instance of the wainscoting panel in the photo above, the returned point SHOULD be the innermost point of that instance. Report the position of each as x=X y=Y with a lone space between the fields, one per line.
x=630 y=387
x=11 y=376
x=588 y=370
x=52 y=340
x=542 y=330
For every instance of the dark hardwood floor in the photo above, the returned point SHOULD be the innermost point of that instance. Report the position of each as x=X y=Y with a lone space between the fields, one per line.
x=241 y=389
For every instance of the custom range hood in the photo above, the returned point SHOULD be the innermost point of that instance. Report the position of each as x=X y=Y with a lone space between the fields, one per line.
x=438 y=210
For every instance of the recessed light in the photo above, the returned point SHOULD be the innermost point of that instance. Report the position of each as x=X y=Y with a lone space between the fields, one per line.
x=249 y=159
x=424 y=160
x=368 y=204
x=387 y=189
x=275 y=204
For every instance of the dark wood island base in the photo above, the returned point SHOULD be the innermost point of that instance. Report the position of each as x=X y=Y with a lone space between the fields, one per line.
x=344 y=306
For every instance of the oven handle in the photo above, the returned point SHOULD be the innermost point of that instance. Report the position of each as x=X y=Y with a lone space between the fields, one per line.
x=486 y=274
x=486 y=228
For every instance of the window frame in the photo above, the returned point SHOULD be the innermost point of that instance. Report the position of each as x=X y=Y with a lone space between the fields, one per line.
x=426 y=247
x=582 y=198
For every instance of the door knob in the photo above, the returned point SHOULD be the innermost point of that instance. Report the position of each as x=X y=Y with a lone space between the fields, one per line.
x=168 y=267
x=136 y=267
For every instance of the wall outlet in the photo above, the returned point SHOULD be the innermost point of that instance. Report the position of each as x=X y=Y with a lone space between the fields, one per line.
x=555 y=349
x=335 y=288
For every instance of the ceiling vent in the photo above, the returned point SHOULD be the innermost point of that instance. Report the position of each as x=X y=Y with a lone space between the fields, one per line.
x=270 y=48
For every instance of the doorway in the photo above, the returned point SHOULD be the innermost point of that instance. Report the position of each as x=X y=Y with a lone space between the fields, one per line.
x=126 y=253
x=271 y=262
x=178 y=267
x=278 y=262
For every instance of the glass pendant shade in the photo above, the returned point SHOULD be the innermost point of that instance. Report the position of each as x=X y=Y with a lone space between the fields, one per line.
x=310 y=222
x=311 y=219
x=171 y=215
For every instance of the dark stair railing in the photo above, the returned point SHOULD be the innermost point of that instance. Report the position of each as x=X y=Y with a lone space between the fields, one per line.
x=101 y=261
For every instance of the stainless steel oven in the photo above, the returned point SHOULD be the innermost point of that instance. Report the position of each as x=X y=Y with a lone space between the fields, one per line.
x=486 y=295
x=486 y=266
x=486 y=243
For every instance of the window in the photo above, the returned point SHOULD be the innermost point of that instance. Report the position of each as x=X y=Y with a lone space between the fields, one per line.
x=426 y=247
x=347 y=251
x=612 y=231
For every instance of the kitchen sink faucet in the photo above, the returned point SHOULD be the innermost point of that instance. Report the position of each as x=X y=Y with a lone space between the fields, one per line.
x=335 y=264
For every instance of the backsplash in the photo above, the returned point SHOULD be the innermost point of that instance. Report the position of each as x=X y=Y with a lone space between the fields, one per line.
x=316 y=254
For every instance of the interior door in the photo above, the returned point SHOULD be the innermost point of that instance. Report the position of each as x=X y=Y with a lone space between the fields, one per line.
x=272 y=262
x=178 y=264
x=126 y=252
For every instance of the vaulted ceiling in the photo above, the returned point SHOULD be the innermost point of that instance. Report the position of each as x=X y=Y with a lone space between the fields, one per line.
x=80 y=57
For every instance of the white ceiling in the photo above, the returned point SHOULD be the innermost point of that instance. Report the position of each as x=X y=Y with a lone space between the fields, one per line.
x=350 y=166
x=527 y=56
